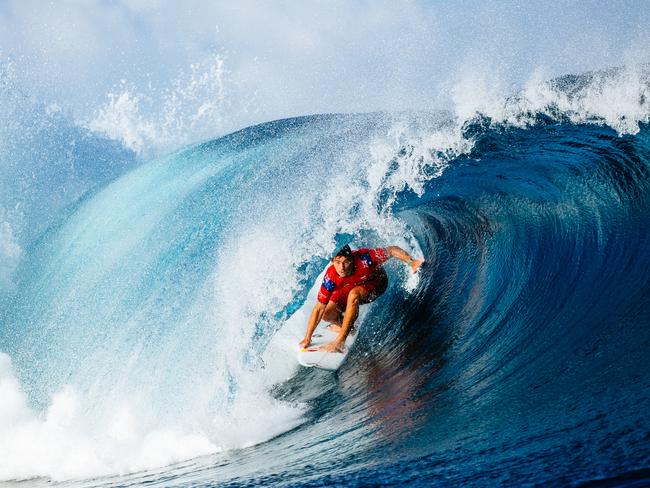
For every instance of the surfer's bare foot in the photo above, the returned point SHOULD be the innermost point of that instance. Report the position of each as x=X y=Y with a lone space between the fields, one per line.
x=332 y=347
x=416 y=264
x=334 y=328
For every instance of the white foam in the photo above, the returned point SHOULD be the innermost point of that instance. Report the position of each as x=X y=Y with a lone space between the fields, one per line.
x=619 y=98
x=189 y=109
x=120 y=119
x=65 y=443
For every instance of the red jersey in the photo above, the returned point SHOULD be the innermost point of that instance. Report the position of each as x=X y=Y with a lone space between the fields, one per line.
x=367 y=267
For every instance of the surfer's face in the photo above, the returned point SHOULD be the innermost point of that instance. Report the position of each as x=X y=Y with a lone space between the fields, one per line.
x=342 y=265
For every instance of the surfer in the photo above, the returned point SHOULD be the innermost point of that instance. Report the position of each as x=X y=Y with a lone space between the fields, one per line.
x=354 y=278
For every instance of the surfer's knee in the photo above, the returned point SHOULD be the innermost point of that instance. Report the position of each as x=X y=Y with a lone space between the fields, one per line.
x=355 y=296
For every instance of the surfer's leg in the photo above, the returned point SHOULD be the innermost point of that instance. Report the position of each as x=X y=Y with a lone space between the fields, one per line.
x=333 y=315
x=357 y=295
x=336 y=307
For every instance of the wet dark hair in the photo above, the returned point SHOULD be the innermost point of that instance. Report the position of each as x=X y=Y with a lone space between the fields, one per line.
x=345 y=251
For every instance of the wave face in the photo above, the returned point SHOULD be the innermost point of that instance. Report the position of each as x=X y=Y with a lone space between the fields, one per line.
x=154 y=323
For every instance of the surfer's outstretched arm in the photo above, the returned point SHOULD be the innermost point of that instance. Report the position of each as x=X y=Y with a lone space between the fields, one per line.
x=402 y=255
x=314 y=319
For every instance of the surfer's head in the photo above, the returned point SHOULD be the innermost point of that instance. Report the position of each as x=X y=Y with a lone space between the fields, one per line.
x=343 y=262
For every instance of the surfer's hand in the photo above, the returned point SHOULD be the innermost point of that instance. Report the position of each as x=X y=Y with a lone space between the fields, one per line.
x=415 y=264
x=332 y=347
x=304 y=343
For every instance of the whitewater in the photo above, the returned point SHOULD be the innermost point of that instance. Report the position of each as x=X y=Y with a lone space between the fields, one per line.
x=152 y=301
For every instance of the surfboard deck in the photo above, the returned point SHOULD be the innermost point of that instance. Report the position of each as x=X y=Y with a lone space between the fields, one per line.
x=311 y=357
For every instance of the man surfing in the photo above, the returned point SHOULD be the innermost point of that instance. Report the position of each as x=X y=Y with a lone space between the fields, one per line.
x=354 y=278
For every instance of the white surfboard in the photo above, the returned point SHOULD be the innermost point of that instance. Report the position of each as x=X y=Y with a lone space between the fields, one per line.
x=311 y=357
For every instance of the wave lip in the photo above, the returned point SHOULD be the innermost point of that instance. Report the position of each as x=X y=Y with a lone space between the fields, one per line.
x=617 y=97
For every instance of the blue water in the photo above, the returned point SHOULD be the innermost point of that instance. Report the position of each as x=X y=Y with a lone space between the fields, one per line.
x=519 y=357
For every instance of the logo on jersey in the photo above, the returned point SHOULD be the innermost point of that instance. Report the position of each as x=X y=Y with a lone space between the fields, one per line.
x=365 y=259
x=328 y=284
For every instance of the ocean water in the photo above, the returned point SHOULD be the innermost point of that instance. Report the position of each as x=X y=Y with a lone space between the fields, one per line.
x=151 y=305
